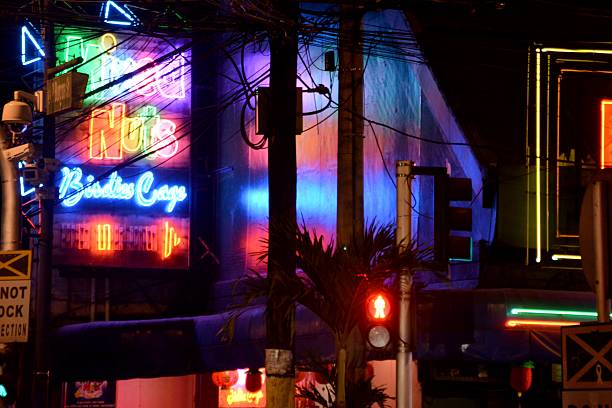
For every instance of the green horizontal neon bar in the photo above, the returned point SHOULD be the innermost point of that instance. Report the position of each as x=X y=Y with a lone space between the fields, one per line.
x=523 y=311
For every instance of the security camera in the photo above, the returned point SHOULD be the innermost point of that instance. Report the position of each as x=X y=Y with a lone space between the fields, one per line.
x=22 y=152
x=17 y=115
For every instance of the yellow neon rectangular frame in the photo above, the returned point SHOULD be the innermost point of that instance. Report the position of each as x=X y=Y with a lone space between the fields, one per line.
x=538 y=134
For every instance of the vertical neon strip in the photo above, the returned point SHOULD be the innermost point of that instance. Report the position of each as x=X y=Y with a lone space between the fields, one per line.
x=557 y=170
x=538 y=162
x=602 y=152
x=527 y=157
x=606 y=135
x=104 y=237
x=547 y=191
x=171 y=240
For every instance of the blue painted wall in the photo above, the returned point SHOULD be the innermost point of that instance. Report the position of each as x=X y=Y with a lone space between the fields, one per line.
x=398 y=92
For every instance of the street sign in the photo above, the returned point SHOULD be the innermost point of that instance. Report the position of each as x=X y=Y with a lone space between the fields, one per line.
x=15 y=265
x=66 y=92
x=587 y=399
x=587 y=356
x=14 y=310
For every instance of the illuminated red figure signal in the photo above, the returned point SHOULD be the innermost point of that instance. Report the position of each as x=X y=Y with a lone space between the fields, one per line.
x=378 y=306
x=380 y=324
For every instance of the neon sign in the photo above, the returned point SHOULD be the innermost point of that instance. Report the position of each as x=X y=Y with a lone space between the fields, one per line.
x=124 y=16
x=111 y=133
x=163 y=239
x=28 y=38
x=105 y=61
x=74 y=188
x=123 y=188
x=238 y=396
x=606 y=133
x=104 y=237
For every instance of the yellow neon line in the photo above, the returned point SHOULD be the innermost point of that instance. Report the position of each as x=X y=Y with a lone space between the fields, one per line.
x=577 y=50
x=556 y=257
x=547 y=173
x=549 y=323
x=538 y=163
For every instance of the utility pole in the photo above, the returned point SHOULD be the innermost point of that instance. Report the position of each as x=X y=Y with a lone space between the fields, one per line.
x=403 y=366
x=349 y=209
x=350 y=127
x=282 y=178
x=46 y=198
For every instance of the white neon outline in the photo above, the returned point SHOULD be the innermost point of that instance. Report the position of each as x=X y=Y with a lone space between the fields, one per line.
x=538 y=135
x=538 y=164
x=125 y=13
x=24 y=32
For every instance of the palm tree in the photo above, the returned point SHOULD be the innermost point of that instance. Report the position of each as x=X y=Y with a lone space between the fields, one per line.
x=333 y=282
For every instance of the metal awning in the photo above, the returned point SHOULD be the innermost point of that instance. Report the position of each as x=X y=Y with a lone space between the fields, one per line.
x=468 y=325
x=176 y=346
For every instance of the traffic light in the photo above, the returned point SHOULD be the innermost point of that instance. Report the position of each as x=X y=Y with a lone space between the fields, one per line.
x=380 y=324
x=8 y=391
x=452 y=218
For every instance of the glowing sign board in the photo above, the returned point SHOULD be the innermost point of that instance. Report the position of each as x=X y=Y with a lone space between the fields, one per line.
x=237 y=396
x=124 y=185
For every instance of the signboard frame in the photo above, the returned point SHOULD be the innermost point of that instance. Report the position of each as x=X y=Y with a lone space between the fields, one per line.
x=575 y=336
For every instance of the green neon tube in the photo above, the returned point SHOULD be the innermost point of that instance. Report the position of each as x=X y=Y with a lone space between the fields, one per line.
x=556 y=312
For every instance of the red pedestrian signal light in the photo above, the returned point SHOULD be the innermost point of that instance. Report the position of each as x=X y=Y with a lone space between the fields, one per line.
x=378 y=306
x=379 y=314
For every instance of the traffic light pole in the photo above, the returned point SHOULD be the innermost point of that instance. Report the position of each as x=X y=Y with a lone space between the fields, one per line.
x=403 y=236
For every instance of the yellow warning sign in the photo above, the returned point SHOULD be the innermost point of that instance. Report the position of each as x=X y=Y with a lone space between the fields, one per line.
x=15 y=265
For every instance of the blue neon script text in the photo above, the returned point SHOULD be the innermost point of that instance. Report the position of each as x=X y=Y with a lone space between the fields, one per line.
x=74 y=188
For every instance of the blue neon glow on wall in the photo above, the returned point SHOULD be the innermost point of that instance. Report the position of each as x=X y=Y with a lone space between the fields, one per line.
x=316 y=200
x=28 y=38
x=74 y=187
x=123 y=12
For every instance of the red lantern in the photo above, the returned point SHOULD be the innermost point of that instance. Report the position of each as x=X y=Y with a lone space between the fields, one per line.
x=253 y=380
x=225 y=379
x=299 y=376
x=520 y=378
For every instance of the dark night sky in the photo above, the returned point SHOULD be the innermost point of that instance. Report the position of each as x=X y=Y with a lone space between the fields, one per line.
x=478 y=51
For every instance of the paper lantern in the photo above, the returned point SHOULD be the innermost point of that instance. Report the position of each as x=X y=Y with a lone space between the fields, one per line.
x=225 y=379
x=253 y=380
x=520 y=379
